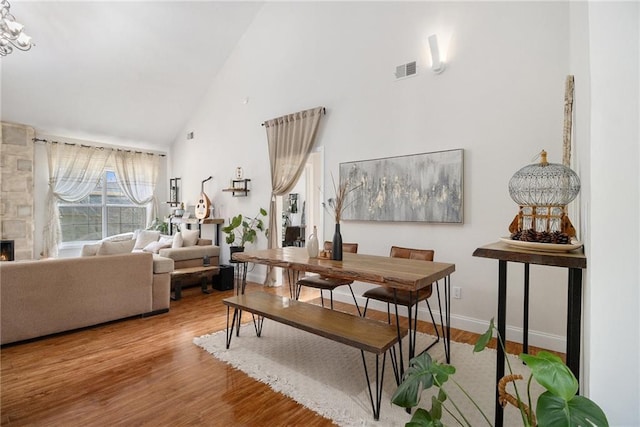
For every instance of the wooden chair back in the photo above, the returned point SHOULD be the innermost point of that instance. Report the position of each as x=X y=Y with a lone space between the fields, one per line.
x=410 y=253
x=346 y=247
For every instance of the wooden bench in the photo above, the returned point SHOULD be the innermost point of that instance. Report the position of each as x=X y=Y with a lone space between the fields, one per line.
x=364 y=334
x=180 y=274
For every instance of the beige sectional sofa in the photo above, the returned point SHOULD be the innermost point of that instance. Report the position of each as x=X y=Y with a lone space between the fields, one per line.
x=39 y=298
x=189 y=252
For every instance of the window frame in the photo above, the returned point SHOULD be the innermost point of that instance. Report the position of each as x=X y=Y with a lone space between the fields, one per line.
x=104 y=211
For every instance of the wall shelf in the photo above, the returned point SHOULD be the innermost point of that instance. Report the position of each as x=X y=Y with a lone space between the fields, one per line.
x=174 y=192
x=239 y=188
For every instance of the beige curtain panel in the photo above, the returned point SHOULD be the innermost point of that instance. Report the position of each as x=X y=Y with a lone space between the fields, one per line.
x=137 y=176
x=291 y=139
x=74 y=171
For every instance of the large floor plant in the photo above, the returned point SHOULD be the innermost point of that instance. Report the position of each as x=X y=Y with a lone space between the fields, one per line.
x=558 y=406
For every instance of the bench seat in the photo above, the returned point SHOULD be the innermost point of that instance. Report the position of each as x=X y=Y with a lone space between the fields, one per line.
x=364 y=334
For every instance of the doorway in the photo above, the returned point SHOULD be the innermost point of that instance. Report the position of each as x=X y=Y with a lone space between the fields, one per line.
x=301 y=209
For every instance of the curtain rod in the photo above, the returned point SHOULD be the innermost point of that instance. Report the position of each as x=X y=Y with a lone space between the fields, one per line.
x=324 y=112
x=98 y=147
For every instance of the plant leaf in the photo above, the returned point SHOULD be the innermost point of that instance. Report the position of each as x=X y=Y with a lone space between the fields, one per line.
x=584 y=410
x=417 y=377
x=442 y=395
x=442 y=372
x=549 y=370
x=422 y=418
x=484 y=339
x=553 y=411
x=436 y=408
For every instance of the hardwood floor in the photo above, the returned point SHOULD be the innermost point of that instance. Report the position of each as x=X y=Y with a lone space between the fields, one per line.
x=147 y=371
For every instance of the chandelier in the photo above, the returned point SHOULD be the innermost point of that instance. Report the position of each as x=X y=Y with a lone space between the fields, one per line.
x=11 y=34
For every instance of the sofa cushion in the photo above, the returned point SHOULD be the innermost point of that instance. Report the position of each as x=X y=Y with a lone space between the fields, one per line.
x=115 y=248
x=90 y=249
x=162 y=264
x=177 y=241
x=190 y=237
x=154 y=247
x=191 y=252
x=119 y=237
x=145 y=237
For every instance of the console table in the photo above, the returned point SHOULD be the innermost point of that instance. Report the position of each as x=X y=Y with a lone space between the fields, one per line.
x=574 y=261
x=190 y=221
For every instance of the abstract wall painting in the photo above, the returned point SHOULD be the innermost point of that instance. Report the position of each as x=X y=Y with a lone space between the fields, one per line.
x=423 y=187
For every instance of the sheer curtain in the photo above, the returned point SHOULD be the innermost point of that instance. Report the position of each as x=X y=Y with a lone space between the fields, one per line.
x=74 y=170
x=137 y=177
x=290 y=139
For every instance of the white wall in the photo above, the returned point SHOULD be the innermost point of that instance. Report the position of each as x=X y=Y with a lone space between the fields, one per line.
x=612 y=291
x=500 y=99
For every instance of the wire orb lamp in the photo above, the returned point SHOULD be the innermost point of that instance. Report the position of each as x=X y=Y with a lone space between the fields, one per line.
x=543 y=190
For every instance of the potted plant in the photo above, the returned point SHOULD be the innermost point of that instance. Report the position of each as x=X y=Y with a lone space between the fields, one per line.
x=159 y=225
x=243 y=229
x=557 y=406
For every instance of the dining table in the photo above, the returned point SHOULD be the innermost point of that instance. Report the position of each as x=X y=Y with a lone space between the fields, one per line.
x=394 y=273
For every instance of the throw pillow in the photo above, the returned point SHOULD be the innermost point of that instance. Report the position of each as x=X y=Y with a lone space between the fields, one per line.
x=190 y=237
x=90 y=249
x=145 y=237
x=154 y=247
x=177 y=241
x=115 y=248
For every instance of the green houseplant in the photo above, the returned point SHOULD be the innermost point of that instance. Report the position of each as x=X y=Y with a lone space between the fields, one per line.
x=241 y=229
x=558 y=406
x=159 y=225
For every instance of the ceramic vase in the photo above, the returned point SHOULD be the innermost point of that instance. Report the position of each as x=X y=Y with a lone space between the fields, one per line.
x=312 y=243
x=336 y=252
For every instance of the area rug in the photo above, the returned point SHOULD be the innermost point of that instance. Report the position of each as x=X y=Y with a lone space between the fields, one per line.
x=328 y=377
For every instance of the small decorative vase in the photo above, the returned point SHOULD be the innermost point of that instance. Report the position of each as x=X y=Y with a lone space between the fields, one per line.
x=312 y=243
x=336 y=252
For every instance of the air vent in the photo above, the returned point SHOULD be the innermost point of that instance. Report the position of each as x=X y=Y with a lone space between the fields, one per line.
x=406 y=70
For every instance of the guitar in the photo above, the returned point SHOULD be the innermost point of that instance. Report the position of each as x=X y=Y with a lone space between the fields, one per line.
x=204 y=204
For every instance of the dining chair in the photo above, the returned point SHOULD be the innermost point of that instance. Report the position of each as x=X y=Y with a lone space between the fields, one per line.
x=407 y=298
x=324 y=283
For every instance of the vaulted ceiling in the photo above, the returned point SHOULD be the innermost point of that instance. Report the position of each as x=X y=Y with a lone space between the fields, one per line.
x=118 y=72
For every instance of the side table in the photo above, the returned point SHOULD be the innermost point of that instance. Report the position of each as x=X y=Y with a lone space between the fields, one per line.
x=203 y=272
x=574 y=261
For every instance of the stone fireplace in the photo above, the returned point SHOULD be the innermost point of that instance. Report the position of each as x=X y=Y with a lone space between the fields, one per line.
x=16 y=189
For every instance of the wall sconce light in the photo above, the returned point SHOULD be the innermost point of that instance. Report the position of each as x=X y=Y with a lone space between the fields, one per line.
x=437 y=65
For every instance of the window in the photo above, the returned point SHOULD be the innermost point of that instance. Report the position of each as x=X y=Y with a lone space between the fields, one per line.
x=104 y=212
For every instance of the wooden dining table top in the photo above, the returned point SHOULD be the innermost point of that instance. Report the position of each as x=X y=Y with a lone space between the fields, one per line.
x=399 y=273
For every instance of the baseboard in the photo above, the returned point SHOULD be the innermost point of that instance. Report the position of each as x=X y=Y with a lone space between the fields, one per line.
x=514 y=333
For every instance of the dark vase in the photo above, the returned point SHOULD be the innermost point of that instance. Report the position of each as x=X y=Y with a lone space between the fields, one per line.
x=233 y=250
x=336 y=251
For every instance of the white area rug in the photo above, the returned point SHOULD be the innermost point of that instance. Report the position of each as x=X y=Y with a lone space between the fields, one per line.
x=328 y=377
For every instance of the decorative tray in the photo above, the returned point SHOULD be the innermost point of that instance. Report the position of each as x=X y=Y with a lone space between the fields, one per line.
x=545 y=247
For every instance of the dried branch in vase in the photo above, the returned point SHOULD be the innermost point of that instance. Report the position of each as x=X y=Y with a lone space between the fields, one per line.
x=338 y=204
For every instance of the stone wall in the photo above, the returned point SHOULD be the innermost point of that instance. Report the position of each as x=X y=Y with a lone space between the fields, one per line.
x=16 y=188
